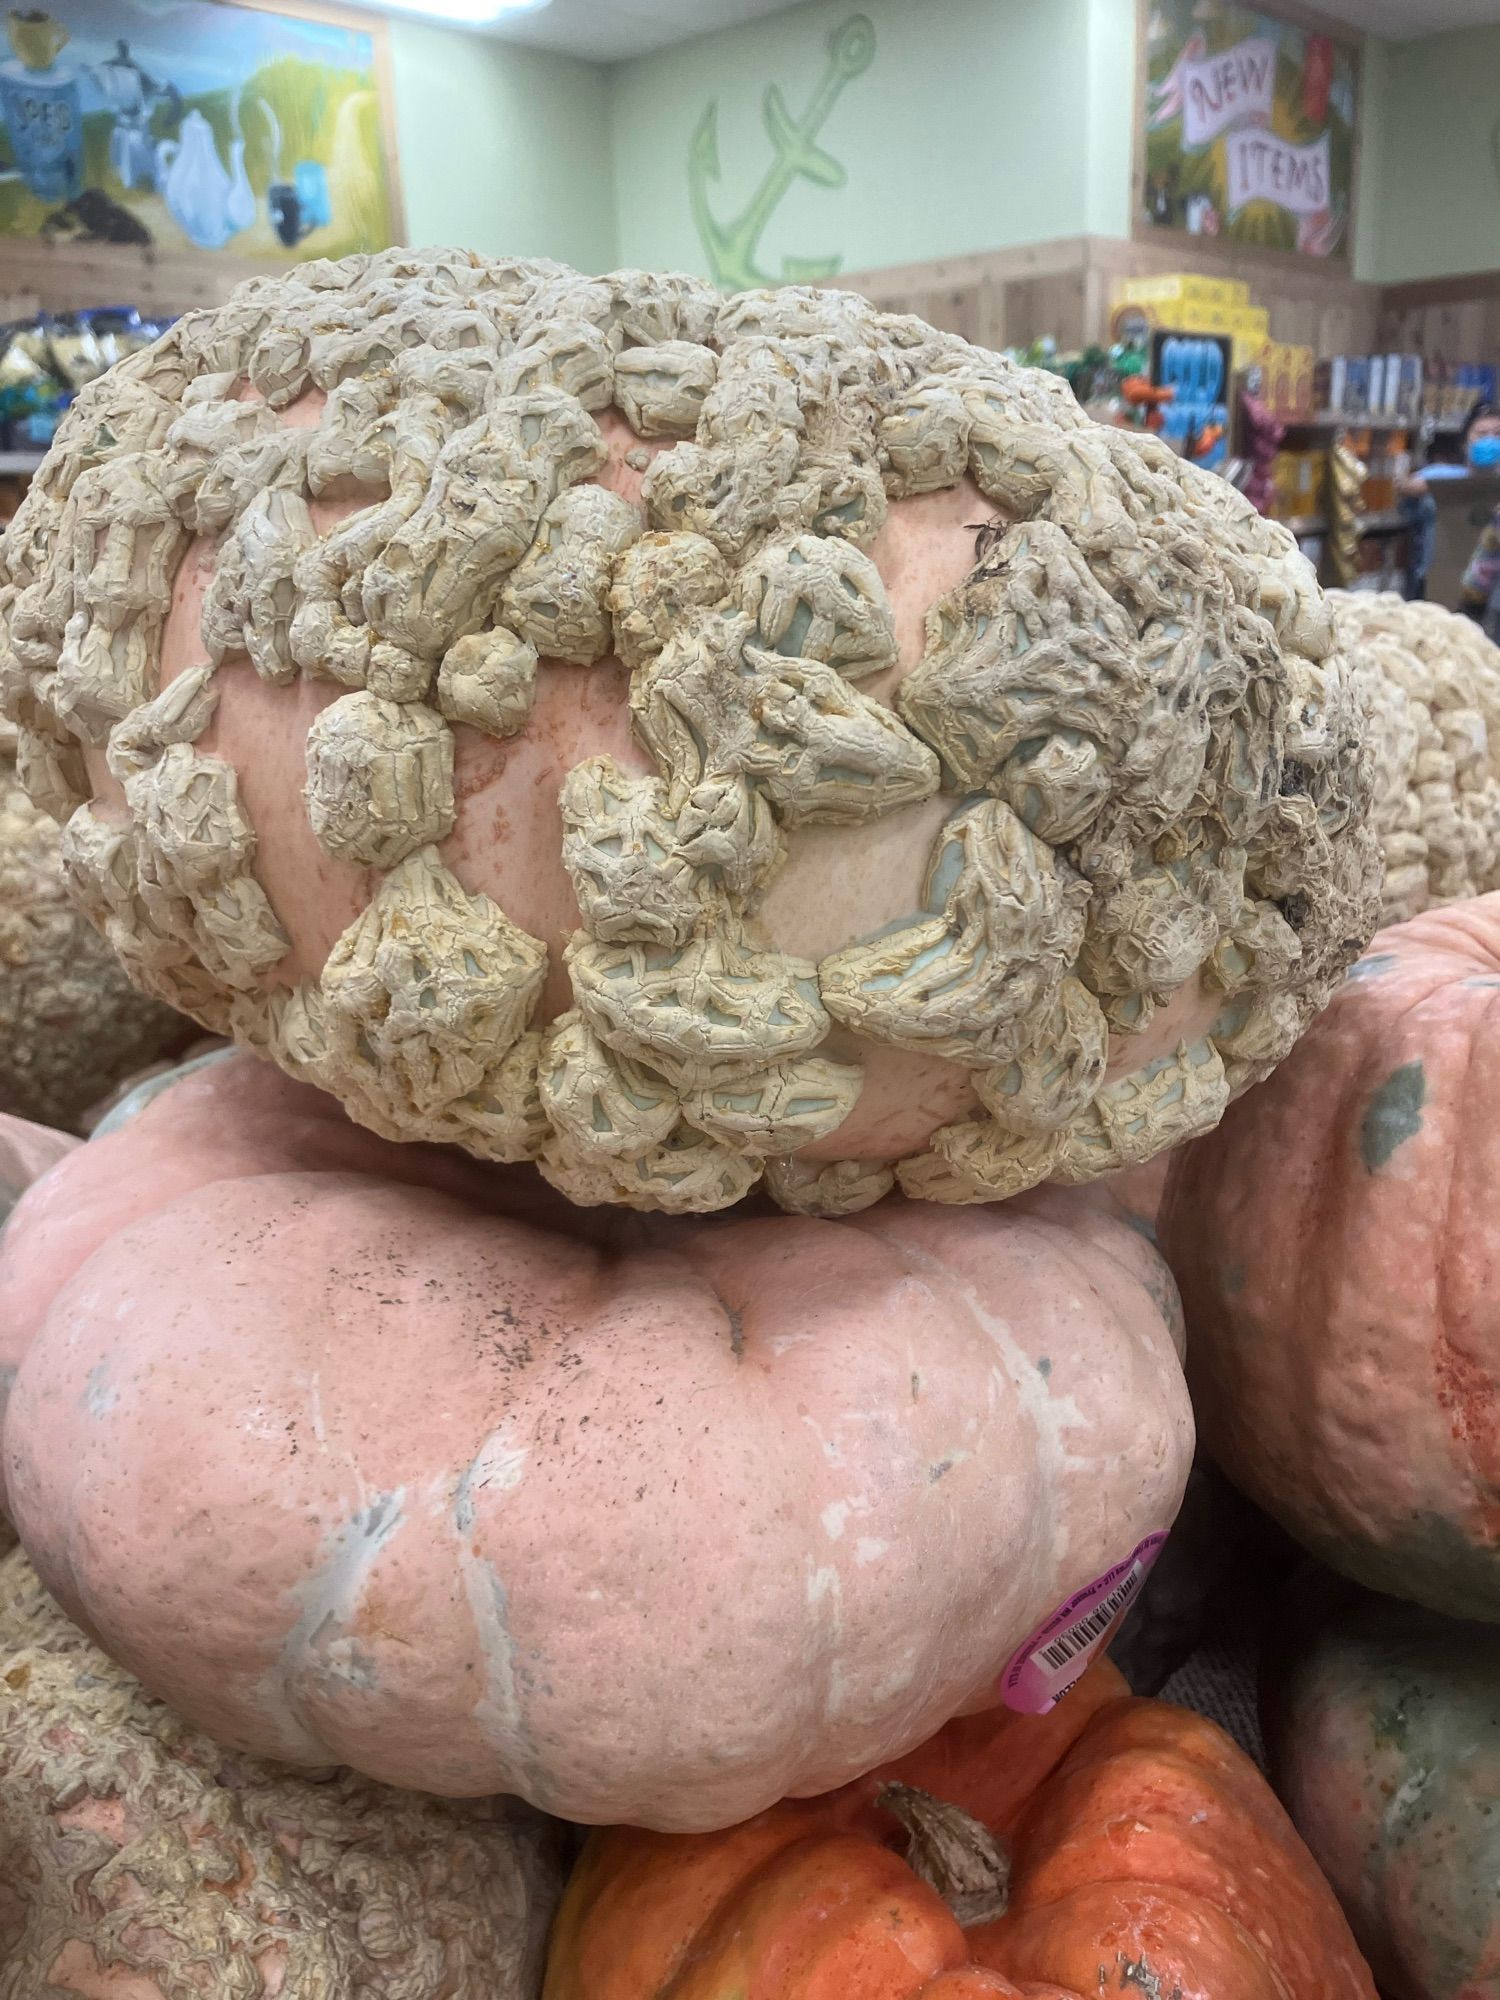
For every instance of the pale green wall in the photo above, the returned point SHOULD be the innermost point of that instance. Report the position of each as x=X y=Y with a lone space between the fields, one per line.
x=1437 y=185
x=973 y=128
x=504 y=149
x=980 y=123
x=1110 y=151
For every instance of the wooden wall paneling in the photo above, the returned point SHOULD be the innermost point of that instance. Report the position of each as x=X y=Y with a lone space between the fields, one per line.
x=1451 y=320
x=1066 y=288
x=61 y=277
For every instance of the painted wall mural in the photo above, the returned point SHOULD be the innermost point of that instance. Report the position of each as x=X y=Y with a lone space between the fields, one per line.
x=1250 y=128
x=732 y=247
x=193 y=125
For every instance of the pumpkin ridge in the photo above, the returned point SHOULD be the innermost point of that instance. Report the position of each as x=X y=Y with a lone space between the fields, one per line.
x=1054 y=1941
x=854 y=1900
x=1154 y=1799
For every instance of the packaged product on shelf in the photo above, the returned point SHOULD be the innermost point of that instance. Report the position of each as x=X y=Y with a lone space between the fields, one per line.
x=1331 y=382
x=1409 y=387
x=1287 y=379
x=45 y=362
x=31 y=393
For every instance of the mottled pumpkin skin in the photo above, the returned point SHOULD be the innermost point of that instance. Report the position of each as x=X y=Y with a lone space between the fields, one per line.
x=1146 y=1856
x=500 y=1495
x=1339 y=1260
x=1383 y=1725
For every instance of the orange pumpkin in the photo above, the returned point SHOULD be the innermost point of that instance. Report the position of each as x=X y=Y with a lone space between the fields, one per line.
x=1113 y=1846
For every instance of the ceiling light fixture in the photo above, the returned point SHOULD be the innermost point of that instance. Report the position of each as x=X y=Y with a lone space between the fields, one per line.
x=464 y=13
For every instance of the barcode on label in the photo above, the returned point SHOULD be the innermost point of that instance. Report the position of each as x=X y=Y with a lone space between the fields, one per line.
x=1068 y=1645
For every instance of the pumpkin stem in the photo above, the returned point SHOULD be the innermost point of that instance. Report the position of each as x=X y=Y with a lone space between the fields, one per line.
x=952 y=1853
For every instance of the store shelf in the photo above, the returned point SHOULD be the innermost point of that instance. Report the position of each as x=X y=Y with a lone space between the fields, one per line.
x=1389 y=523
x=18 y=464
x=1339 y=420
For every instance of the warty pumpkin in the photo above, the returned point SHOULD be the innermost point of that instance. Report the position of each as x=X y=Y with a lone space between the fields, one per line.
x=142 y=1862
x=1336 y=1247
x=689 y=743
x=638 y=1517
x=1382 y=1722
x=71 y=1023
x=1432 y=679
x=1114 y=1846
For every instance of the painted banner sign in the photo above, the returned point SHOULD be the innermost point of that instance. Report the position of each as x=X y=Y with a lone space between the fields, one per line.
x=1225 y=90
x=1250 y=128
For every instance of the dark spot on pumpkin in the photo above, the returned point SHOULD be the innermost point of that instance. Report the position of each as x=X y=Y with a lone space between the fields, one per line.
x=987 y=536
x=1136 y=1976
x=1373 y=967
x=1390 y=1723
x=736 y=1332
x=1043 y=1366
x=939 y=1471
x=1393 y=1116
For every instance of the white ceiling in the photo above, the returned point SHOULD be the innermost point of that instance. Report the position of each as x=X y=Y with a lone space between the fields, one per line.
x=1406 y=20
x=611 y=30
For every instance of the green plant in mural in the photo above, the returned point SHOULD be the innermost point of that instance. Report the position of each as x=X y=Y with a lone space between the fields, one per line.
x=731 y=247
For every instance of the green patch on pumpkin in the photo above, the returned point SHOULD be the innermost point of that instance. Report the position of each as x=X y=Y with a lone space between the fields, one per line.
x=1393 y=1116
x=1428 y=1560
x=1374 y=967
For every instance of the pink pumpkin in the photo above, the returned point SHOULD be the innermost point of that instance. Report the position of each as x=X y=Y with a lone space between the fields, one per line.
x=26 y=1152
x=363 y=1453
x=1339 y=1259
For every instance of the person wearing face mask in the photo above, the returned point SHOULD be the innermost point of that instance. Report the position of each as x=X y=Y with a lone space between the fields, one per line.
x=1478 y=451
x=1480 y=591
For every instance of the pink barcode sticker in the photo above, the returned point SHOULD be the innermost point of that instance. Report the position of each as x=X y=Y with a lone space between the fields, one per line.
x=1060 y=1652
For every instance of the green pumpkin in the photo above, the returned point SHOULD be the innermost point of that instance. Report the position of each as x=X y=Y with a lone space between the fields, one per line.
x=1382 y=1723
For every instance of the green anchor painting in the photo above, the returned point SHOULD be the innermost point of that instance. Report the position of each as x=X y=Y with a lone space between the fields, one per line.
x=731 y=247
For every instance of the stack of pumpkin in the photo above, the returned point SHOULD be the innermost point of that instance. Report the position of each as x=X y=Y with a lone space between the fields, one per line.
x=624 y=756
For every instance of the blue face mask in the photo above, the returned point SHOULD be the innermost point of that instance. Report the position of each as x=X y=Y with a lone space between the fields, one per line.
x=1484 y=453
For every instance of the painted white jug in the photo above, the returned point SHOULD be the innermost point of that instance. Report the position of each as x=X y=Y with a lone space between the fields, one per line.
x=208 y=203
